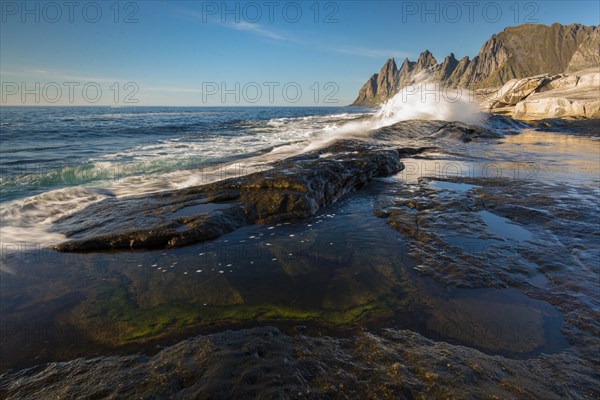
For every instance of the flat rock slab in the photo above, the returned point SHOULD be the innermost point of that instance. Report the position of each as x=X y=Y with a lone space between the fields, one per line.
x=294 y=188
x=269 y=364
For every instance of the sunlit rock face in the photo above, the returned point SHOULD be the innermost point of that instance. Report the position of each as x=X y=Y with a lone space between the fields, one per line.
x=515 y=53
x=546 y=96
x=586 y=56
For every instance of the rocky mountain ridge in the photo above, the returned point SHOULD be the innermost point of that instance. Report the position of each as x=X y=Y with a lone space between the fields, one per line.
x=515 y=53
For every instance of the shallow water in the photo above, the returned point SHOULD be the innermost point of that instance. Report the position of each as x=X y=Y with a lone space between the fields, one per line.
x=550 y=156
x=461 y=187
x=341 y=270
x=530 y=155
x=505 y=228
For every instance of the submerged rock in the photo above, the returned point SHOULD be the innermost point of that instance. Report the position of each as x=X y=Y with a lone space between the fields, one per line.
x=499 y=232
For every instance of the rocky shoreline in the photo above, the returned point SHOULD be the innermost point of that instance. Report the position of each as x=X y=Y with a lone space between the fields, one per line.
x=264 y=362
x=293 y=188
x=537 y=273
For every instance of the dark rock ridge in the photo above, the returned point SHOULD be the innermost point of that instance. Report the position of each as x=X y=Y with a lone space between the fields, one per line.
x=268 y=364
x=294 y=188
x=516 y=52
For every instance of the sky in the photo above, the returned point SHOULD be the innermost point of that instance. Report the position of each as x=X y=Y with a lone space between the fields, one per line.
x=198 y=53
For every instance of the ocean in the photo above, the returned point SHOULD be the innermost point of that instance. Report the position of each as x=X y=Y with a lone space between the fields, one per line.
x=59 y=159
x=497 y=201
x=49 y=148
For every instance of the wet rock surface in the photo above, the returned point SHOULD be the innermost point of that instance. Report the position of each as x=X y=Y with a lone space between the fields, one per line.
x=392 y=364
x=294 y=188
x=499 y=276
x=575 y=127
x=539 y=238
x=290 y=189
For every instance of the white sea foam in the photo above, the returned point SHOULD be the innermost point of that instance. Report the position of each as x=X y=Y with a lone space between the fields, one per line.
x=257 y=136
x=424 y=101
x=430 y=102
x=165 y=165
x=29 y=220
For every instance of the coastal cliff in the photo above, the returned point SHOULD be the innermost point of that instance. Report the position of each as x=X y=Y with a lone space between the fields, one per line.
x=515 y=53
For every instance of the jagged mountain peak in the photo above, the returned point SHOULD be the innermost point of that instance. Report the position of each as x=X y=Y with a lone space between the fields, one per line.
x=516 y=52
x=406 y=65
x=389 y=66
x=426 y=59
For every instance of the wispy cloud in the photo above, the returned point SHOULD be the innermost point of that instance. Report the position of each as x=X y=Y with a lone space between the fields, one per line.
x=172 y=89
x=10 y=73
x=250 y=27
x=371 y=52
x=256 y=29
x=60 y=75
x=92 y=79
x=261 y=30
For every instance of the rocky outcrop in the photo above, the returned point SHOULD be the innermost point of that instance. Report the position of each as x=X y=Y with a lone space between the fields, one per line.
x=455 y=77
x=587 y=54
x=380 y=86
x=386 y=79
x=446 y=68
x=367 y=94
x=267 y=363
x=525 y=50
x=549 y=96
x=294 y=188
x=404 y=73
x=385 y=84
x=425 y=62
x=515 y=53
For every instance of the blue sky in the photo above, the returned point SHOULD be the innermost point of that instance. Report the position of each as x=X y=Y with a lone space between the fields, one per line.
x=278 y=53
